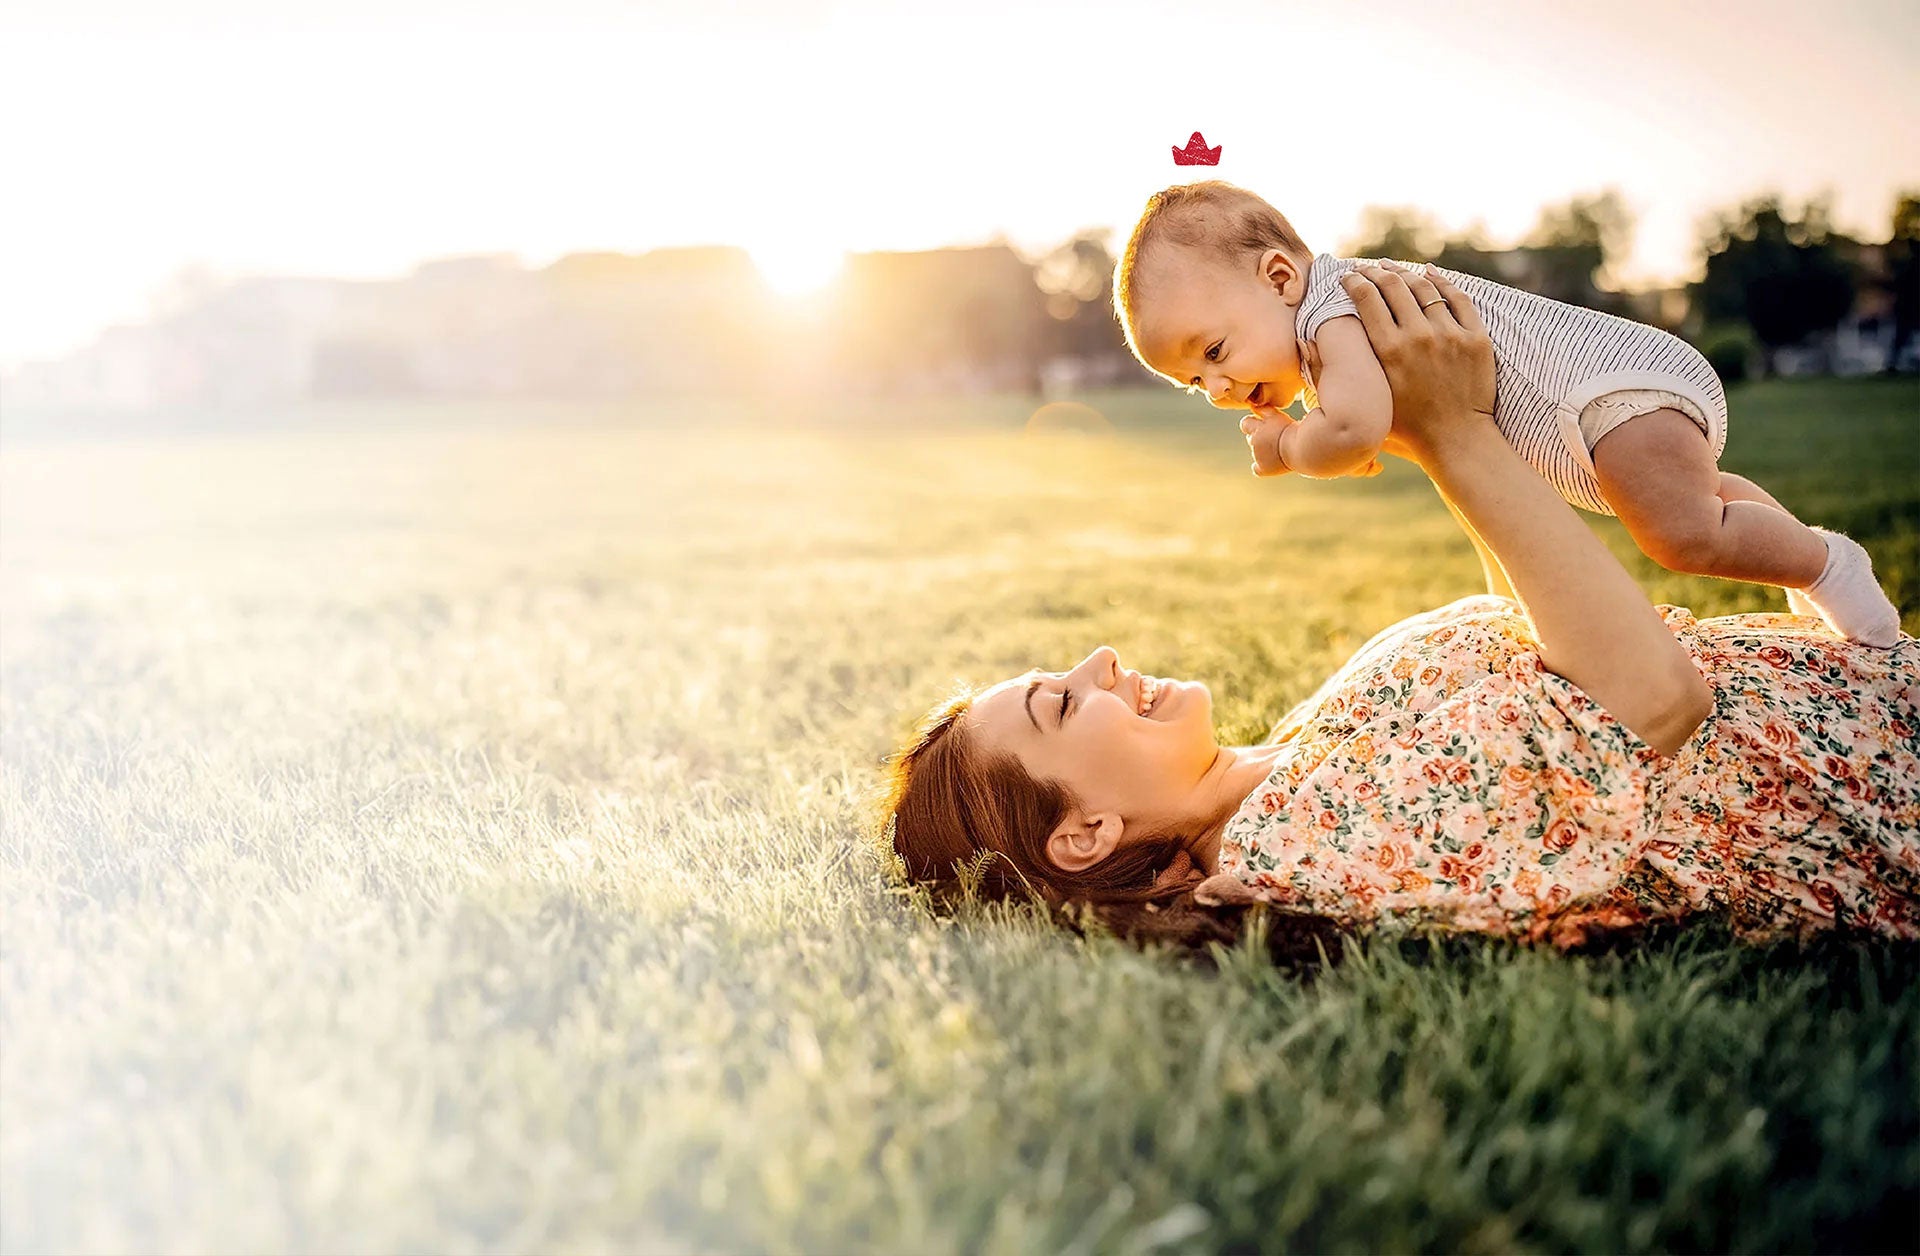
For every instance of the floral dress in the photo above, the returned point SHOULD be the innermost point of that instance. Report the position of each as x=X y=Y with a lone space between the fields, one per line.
x=1445 y=779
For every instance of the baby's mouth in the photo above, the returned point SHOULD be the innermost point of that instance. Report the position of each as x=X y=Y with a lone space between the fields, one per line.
x=1258 y=396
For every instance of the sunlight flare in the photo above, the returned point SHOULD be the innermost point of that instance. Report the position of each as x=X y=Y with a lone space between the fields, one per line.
x=796 y=268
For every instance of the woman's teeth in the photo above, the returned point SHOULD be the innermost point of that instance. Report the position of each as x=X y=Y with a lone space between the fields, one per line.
x=1149 y=693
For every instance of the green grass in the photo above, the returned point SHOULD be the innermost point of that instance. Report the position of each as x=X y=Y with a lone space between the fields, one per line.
x=427 y=840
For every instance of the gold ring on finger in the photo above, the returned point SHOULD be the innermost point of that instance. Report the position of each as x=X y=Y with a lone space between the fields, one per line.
x=1435 y=301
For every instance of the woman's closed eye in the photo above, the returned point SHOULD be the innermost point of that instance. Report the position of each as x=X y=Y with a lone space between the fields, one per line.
x=1065 y=695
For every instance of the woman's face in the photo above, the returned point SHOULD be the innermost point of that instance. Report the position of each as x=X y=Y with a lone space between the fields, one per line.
x=1131 y=772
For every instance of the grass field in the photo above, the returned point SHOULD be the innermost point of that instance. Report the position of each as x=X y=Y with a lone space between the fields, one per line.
x=427 y=839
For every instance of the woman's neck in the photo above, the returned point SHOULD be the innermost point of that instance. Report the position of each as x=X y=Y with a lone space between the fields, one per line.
x=1235 y=773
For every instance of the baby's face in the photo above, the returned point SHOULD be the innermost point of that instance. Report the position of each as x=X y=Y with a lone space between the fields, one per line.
x=1229 y=335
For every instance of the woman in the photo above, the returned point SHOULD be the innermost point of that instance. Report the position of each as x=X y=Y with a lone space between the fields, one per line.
x=1552 y=759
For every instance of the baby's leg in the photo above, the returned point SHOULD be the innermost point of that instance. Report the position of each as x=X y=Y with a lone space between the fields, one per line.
x=1735 y=488
x=1659 y=475
x=1738 y=488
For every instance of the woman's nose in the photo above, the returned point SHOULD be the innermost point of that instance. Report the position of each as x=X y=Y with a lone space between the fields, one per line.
x=1104 y=664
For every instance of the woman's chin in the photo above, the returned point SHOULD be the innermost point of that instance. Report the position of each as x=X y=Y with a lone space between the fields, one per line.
x=1183 y=700
x=1185 y=703
x=1200 y=711
x=1174 y=698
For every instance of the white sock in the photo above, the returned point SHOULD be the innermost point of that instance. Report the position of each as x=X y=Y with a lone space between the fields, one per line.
x=1849 y=598
x=1798 y=604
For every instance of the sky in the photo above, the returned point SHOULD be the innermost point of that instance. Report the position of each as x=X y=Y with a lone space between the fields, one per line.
x=356 y=138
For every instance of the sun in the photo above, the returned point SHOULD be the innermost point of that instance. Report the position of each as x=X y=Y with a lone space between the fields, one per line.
x=798 y=269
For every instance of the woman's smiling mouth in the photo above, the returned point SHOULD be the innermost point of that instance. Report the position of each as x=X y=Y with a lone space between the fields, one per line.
x=1152 y=692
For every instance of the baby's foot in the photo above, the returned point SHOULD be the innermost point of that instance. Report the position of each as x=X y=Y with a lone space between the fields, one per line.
x=1848 y=597
x=1798 y=603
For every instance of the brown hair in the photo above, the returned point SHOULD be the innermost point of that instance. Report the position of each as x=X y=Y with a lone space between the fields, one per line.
x=1224 y=223
x=968 y=822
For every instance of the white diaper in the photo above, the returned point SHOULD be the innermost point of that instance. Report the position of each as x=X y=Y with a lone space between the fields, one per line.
x=1610 y=410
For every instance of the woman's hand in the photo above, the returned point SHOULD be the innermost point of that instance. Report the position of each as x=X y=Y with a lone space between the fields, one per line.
x=1438 y=359
x=1596 y=627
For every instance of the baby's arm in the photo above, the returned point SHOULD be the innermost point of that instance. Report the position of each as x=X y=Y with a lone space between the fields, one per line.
x=1355 y=413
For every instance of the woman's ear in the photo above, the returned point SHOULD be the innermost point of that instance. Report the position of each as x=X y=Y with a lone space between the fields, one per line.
x=1083 y=841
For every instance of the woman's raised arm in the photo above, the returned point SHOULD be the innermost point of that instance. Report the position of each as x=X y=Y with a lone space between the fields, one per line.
x=1497 y=583
x=1596 y=626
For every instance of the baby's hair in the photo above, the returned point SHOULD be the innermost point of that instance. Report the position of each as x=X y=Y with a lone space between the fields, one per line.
x=1222 y=222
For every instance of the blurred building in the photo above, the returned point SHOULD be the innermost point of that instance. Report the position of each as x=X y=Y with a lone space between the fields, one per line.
x=702 y=322
x=697 y=321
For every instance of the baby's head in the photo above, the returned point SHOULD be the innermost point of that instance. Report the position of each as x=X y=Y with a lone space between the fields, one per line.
x=1206 y=291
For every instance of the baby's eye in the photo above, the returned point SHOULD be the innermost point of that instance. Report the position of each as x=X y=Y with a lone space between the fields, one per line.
x=1216 y=344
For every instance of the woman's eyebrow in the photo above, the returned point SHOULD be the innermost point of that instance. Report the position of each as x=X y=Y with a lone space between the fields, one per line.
x=1031 y=686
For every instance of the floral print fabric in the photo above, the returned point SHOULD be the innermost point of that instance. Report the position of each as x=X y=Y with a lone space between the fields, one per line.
x=1445 y=779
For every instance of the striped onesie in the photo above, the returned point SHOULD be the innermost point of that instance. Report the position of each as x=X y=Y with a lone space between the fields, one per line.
x=1564 y=375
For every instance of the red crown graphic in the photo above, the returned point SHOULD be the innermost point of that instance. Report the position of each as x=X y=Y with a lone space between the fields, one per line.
x=1196 y=153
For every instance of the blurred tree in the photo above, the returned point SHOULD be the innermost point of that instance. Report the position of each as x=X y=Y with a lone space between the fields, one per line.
x=1471 y=253
x=1787 y=278
x=1567 y=246
x=1081 y=269
x=1397 y=231
x=1572 y=243
x=1730 y=349
x=1903 y=272
x=1077 y=278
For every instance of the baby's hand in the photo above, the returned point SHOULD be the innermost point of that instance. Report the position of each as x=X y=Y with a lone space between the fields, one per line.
x=1263 y=428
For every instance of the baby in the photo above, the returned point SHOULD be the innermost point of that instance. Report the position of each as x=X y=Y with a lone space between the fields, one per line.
x=1216 y=291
